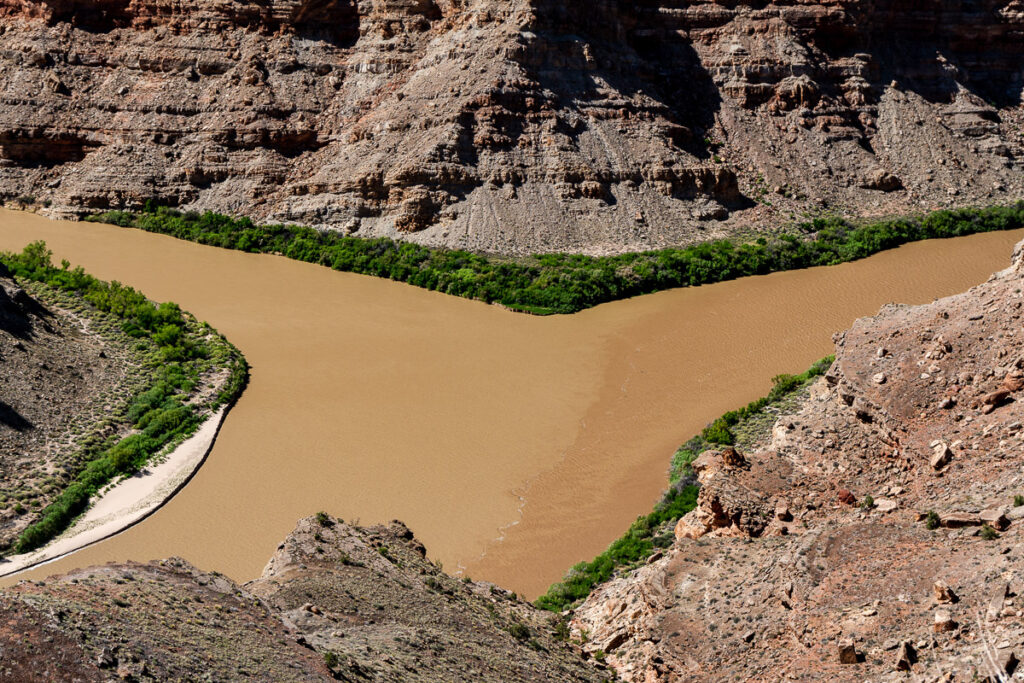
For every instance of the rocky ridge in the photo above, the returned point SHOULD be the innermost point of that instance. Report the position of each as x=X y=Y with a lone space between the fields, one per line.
x=874 y=536
x=336 y=602
x=512 y=127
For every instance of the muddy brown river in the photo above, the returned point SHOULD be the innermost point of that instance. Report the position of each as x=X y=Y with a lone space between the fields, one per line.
x=514 y=446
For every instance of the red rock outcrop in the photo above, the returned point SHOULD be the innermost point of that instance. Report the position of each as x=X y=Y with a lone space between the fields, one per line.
x=776 y=576
x=529 y=125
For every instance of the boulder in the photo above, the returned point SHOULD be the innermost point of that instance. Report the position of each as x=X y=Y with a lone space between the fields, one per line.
x=996 y=602
x=905 y=656
x=943 y=593
x=941 y=456
x=943 y=621
x=1015 y=513
x=1007 y=662
x=847 y=651
x=996 y=398
x=1013 y=382
x=884 y=505
x=995 y=518
x=733 y=458
x=881 y=180
x=957 y=520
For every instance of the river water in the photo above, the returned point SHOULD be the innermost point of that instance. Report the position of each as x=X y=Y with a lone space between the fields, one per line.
x=514 y=446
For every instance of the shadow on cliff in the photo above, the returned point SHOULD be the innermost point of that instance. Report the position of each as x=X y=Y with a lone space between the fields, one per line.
x=333 y=21
x=656 y=64
x=934 y=54
x=13 y=419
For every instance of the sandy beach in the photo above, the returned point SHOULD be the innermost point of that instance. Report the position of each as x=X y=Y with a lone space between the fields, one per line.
x=128 y=501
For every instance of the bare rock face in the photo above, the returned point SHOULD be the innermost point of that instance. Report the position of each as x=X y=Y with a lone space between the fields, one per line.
x=147 y=622
x=336 y=602
x=370 y=597
x=528 y=125
x=925 y=581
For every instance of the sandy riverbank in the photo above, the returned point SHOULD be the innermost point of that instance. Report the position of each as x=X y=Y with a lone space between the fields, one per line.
x=127 y=502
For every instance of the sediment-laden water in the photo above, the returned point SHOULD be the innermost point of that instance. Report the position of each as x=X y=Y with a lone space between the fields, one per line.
x=375 y=400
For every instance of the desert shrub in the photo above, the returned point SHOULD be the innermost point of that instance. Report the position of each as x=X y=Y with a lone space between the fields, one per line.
x=519 y=631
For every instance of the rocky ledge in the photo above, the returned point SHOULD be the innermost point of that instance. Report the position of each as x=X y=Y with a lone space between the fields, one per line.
x=335 y=602
x=520 y=126
x=875 y=536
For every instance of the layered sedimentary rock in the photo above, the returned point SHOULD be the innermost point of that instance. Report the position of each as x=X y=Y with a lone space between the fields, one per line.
x=873 y=536
x=529 y=125
x=336 y=602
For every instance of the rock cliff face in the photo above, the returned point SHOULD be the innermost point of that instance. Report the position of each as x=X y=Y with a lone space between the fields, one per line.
x=875 y=536
x=336 y=602
x=528 y=125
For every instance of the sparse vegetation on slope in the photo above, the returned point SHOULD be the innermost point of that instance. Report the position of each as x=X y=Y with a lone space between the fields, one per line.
x=566 y=283
x=655 y=530
x=185 y=359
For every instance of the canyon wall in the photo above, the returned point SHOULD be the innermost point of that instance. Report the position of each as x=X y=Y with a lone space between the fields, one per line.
x=520 y=126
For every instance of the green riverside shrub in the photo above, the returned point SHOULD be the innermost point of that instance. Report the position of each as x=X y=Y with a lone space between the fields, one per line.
x=653 y=531
x=155 y=417
x=565 y=283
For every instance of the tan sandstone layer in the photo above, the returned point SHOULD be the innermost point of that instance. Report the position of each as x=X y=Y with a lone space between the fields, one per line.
x=529 y=125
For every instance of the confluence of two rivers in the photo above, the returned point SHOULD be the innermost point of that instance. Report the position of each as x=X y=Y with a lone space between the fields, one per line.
x=374 y=400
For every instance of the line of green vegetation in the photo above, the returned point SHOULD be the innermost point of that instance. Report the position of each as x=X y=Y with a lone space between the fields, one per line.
x=721 y=432
x=566 y=283
x=656 y=529
x=184 y=355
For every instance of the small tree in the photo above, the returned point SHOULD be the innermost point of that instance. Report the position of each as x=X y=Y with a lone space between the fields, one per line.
x=37 y=256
